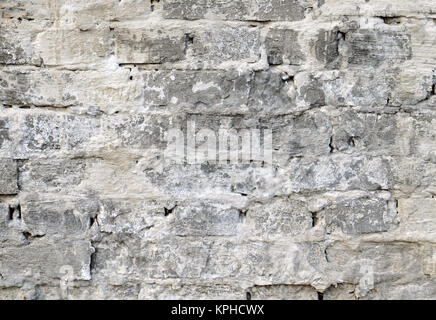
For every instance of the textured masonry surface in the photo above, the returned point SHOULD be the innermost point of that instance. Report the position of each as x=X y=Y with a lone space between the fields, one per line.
x=90 y=209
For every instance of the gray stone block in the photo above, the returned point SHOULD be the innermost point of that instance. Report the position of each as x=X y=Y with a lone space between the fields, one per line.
x=8 y=173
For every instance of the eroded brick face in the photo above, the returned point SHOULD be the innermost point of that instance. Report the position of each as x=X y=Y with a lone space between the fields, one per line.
x=94 y=203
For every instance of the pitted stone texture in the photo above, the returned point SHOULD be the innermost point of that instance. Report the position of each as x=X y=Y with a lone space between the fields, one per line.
x=16 y=46
x=25 y=9
x=279 y=218
x=283 y=292
x=95 y=91
x=376 y=8
x=46 y=261
x=73 y=48
x=260 y=10
x=149 y=45
x=369 y=265
x=57 y=218
x=360 y=215
x=220 y=45
x=372 y=48
x=8 y=173
x=417 y=216
x=219 y=92
x=282 y=47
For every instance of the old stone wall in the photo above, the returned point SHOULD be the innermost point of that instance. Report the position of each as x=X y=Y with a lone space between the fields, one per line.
x=93 y=207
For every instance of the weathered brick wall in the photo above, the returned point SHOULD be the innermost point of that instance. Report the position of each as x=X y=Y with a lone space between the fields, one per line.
x=91 y=208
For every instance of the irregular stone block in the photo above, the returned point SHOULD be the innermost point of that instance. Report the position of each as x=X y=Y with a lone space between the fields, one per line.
x=199 y=9
x=189 y=180
x=283 y=48
x=225 y=259
x=190 y=291
x=8 y=172
x=216 y=46
x=273 y=10
x=327 y=48
x=161 y=219
x=376 y=8
x=278 y=99
x=279 y=218
x=307 y=134
x=172 y=258
x=338 y=172
x=87 y=15
x=73 y=48
x=283 y=292
x=417 y=216
x=368 y=264
x=108 y=91
x=57 y=218
x=366 y=132
x=424 y=137
x=212 y=89
x=271 y=263
x=46 y=262
x=341 y=291
x=16 y=45
x=42 y=133
x=218 y=92
x=62 y=176
x=310 y=91
x=131 y=217
x=412 y=86
x=4 y=131
x=423 y=45
x=369 y=47
x=276 y=10
x=25 y=9
x=52 y=132
x=204 y=219
x=352 y=88
x=4 y=217
x=34 y=87
x=142 y=131
x=408 y=173
x=418 y=290
x=360 y=215
x=384 y=134
x=149 y=45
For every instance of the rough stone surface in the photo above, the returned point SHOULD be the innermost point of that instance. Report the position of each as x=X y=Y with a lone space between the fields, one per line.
x=94 y=204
